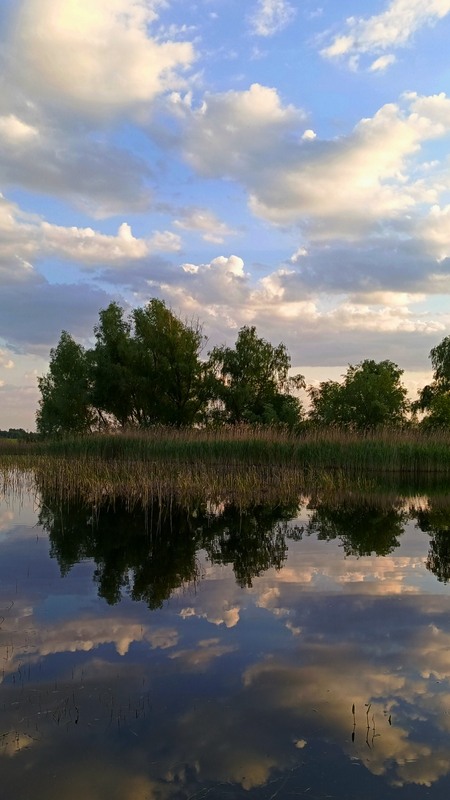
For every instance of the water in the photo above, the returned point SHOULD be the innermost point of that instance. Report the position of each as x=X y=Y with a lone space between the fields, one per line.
x=262 y=653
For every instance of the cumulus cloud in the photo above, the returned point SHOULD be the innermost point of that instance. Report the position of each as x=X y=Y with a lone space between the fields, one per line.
x=89 y=247
x=391 y=29
x=95 y=58
x=346 y=187
x=286 y=305
x=204 y=222
x=26 y=237
x=86 y=635
x=234 y=130
x=271 y=16
x=57 y=159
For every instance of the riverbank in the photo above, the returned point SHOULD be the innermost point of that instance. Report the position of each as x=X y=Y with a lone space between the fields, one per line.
x=237 y=465
x=389 y=450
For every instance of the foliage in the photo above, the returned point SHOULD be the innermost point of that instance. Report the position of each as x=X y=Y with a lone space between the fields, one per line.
x=65 y=391
x=434 y=398
x=18 y=434
x=251 y=382
x=370 y=396
x=111 y=366
x=144 y=370
x=171 y=377
x=363 y=527
x=440 y=360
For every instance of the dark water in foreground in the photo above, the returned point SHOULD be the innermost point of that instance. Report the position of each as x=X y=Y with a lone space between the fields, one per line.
x=266 y=653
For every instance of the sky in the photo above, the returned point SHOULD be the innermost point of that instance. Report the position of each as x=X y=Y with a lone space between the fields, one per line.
x=251 y=162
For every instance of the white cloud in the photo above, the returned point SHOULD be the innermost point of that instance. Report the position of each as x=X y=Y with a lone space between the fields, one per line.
x=89 y=247
x=57 y=159
x=5 y=361
x=13 y=130
x=382 y=63
x=25 y=236
x=231 y=133
x=206 y=223
x=341 y=188
x=285 y=306
x=271 y=16
x=393 y=28
x=96 y=58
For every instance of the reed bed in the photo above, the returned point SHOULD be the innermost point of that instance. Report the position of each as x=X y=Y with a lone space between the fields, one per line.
x=98 y=481
x=389 y=450
x=239 y=465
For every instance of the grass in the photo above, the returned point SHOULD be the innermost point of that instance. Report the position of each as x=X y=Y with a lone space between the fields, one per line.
x=242 y=465
x=389 y=450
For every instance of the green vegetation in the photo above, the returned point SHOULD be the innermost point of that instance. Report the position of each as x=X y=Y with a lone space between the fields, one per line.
x=252 y=384
x=370 y=396
x=16 y=434
x=146 y=370
x=240 y=464
x=434 y=399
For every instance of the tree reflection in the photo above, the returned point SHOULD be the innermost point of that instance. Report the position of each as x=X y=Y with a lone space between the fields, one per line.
x=251 y=540
x=149 y=552
x=436 y=522
x=145 y=552
x=363 y=528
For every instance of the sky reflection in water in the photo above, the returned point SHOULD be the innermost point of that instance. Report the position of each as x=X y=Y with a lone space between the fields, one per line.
x=269 y=653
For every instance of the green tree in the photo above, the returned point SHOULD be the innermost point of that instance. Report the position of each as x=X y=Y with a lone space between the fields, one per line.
x=65 y=404
x=370 y=395
x=434 y=398
x=251 y=381
x=146 y=369
x=112 y=363
x=170 y=376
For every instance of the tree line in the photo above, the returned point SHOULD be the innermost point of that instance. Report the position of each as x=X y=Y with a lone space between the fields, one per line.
x=150 y=368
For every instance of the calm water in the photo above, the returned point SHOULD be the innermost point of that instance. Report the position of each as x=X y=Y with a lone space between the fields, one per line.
x=268 y=653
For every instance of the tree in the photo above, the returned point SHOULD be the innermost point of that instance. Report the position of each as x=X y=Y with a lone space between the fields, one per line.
x=251 y=381
x=440 y=360
x=143 y=370
x=112 y=367
x=171 y=377
x=370 y=395
x=65 y=404
x=434 y=398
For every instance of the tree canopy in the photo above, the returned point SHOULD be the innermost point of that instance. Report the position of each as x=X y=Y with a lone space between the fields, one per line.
x=143 y=370
x=370 y=395
x=434 y=398
x=65 y=404
x=146 y=368
x=252 y=383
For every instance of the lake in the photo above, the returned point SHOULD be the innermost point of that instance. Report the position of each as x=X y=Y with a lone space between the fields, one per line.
x=173 y=653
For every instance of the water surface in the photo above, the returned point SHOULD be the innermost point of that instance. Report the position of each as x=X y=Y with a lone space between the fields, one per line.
x=167 y=654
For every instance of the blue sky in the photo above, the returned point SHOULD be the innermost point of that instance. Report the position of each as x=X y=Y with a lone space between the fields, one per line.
x=265 y=162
